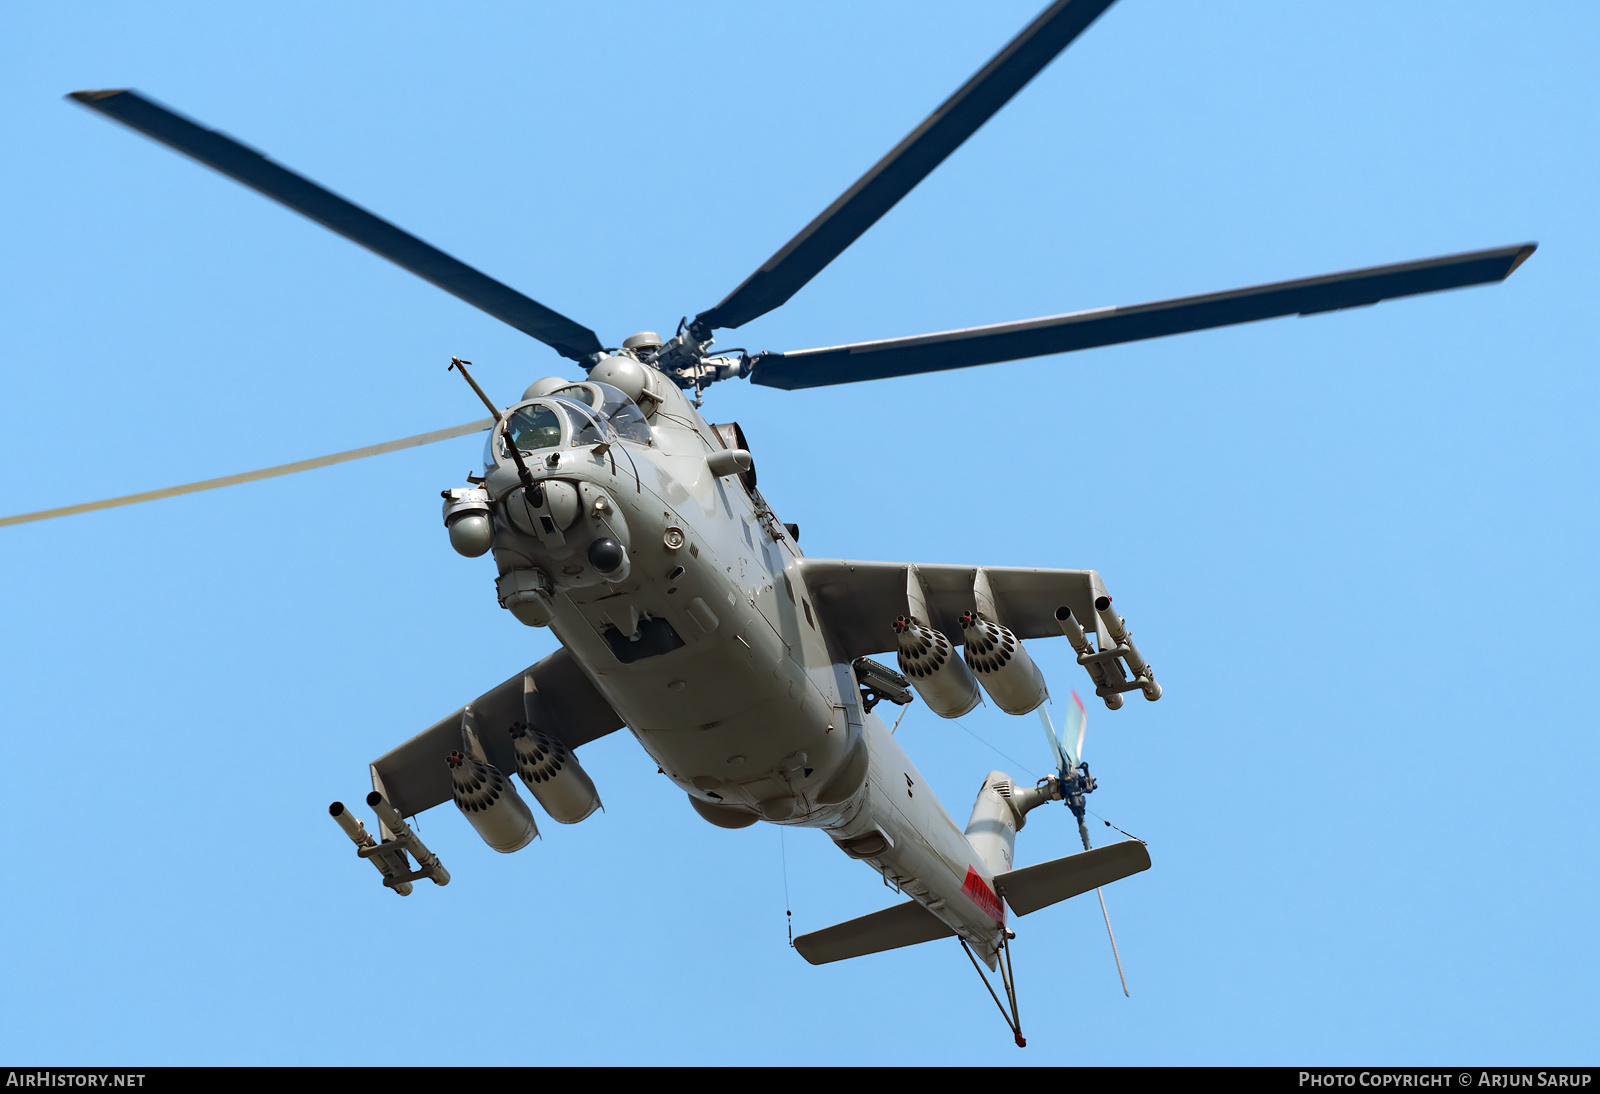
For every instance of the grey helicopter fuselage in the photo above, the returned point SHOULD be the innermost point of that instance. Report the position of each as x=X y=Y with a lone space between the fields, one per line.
x=704 y=639
x=619 y=518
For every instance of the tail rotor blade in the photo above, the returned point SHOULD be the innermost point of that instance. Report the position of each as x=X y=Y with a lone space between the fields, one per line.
x=1083 y=831
x=1077 y=720
x=1050 y=735
x=1111 y=935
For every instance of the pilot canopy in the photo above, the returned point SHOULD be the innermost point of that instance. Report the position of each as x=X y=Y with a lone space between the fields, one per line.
x=578 y=414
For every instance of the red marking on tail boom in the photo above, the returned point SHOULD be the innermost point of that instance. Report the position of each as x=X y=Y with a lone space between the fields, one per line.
x=978 y=891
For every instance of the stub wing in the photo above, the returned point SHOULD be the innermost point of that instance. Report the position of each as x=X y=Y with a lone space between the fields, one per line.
x=857 y=601
x=566 y=705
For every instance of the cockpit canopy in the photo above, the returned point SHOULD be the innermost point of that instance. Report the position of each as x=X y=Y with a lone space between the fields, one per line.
x=577 y=414
x=612 y=405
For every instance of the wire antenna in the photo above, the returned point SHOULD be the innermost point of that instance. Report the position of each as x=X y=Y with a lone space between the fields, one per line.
x=783 y=855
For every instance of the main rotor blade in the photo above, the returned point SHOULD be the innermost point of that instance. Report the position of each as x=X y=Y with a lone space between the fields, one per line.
x=252 y=476
x=892 y=177
x=246 y=165
x=1110 y=326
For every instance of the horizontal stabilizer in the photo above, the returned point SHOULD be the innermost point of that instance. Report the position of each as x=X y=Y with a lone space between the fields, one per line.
x=903 y=925
x=1034 y=887
x=1026 y=890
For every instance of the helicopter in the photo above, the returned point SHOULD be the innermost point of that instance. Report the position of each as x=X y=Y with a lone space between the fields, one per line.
x=625 y=421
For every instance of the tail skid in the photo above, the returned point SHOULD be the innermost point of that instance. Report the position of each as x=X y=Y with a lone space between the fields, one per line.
x=1008 y=980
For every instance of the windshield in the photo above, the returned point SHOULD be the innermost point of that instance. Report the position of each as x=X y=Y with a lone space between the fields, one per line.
x=532 y=428
x=571 y=412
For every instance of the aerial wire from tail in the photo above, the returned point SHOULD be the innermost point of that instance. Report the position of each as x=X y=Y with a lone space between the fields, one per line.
x=1026 y=770
x=783 y=856
x=1108 y=824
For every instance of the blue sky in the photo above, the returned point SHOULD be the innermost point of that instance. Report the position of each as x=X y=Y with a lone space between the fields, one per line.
x=1358 y=548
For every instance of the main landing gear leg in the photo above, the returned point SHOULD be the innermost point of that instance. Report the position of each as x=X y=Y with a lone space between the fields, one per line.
x=1008 y=981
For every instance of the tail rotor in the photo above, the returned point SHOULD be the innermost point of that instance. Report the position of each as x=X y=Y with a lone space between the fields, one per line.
x=1072 y=782
x=1072 y=777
